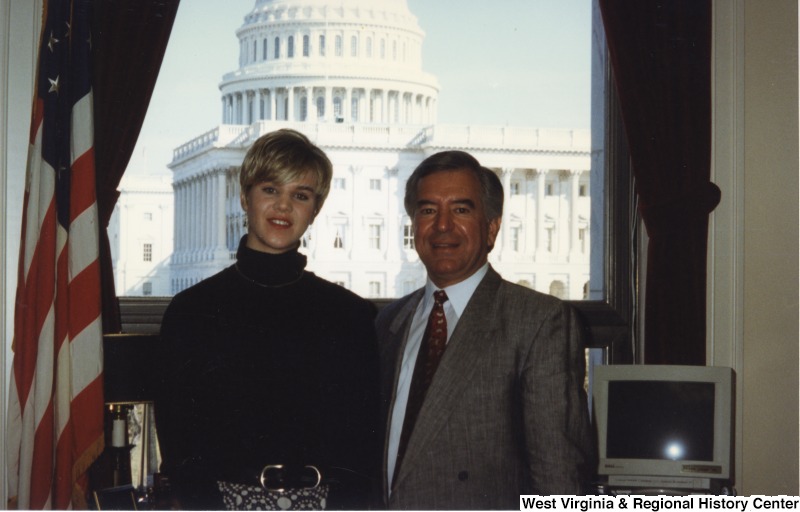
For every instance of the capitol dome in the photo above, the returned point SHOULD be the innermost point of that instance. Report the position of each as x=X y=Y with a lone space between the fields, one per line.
x=346 y=61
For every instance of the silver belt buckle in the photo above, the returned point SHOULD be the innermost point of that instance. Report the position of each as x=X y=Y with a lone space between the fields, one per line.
x=273 y=472
x=318 y=475
x=265 y=475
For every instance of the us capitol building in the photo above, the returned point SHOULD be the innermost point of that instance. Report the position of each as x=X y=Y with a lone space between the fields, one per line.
x=349 y=75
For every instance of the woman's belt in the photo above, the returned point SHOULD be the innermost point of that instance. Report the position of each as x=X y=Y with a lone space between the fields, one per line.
x=279 y=477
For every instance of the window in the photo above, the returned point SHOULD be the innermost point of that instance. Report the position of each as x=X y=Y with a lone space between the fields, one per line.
x=375 y=236
x=582 y=238
x=304 y=108
x=148 y=216
x=514 y=238
x=549 y=232
x=338 y=239
x=338 y=46
x=374 y=288
x=529 y=185
x=557 y=289
x=147 y=252
x=394 y=50
x=277 y=47
x=337 y=109
x=549 y=189
x=374 y=184
x=320 y=108
x=290 y=47
x=255 y=49
x=147 y=288
x=306 y=47
x=408 y=236
x=353 y=46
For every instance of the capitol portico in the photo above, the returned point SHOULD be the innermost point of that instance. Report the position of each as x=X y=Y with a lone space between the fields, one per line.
x=350 y=77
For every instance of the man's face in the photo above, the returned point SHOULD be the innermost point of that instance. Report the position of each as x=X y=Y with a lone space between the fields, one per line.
x=451 y=233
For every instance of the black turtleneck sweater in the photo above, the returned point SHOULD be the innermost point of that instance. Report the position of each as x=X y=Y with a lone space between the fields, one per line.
x=266 y=363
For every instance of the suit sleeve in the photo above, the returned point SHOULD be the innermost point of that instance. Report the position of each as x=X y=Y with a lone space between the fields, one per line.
x=558 y=440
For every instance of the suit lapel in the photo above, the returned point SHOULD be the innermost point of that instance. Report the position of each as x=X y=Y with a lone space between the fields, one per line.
x=460 y=360
x=392 y=352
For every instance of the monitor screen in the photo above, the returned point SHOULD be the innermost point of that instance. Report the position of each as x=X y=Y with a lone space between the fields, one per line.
x=664 y=425
x=660 y=420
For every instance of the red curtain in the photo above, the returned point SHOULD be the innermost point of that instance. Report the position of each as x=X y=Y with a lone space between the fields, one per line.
x=661 y=56
x=129 y=38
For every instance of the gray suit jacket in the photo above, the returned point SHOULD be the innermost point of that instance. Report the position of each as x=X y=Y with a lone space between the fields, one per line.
x=506 y=413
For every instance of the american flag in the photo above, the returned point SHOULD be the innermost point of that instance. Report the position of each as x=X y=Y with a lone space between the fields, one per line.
x=55 y=415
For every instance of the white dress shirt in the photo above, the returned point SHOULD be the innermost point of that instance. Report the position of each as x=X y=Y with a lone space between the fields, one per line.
x=458 y=295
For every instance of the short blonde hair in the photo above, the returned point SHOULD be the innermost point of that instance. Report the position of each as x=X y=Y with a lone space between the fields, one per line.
x=286 y=155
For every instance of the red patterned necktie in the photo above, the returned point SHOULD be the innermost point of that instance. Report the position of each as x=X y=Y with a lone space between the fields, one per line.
x=434 y=341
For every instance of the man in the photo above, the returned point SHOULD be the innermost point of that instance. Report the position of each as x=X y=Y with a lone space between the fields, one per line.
x=504 y=412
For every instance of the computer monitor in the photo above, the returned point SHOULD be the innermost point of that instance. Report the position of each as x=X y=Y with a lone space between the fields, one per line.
x=663 y=427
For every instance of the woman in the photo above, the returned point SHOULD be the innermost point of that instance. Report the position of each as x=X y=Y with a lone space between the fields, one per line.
x=269 y=389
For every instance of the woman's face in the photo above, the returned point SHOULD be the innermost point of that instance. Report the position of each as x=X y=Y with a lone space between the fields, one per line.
x=278 y=215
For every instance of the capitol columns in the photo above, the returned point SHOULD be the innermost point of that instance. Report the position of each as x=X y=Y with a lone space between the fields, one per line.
x=257 y=115
x=384 y=106
x=531 y=234
x=573 y=176
x=346 y=104
x=219 y=196
x=237 y=108
x=505 y=174
x=329 y=104
x=208 y=224
x=311 y=104
x=540 y=180
x=290 y=115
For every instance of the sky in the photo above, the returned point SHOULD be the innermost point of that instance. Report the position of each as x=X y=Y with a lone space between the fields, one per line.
x=504 y=62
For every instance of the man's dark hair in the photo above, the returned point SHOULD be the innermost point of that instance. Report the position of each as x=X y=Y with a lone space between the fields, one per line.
x=491 y=188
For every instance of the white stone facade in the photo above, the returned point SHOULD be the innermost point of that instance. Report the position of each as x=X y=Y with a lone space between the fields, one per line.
x=141 y=236
x=350 y=78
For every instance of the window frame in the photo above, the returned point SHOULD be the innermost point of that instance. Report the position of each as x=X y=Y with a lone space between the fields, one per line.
x=408 y=235
x=147 y=252
x=375 y=235
x=608 y=322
